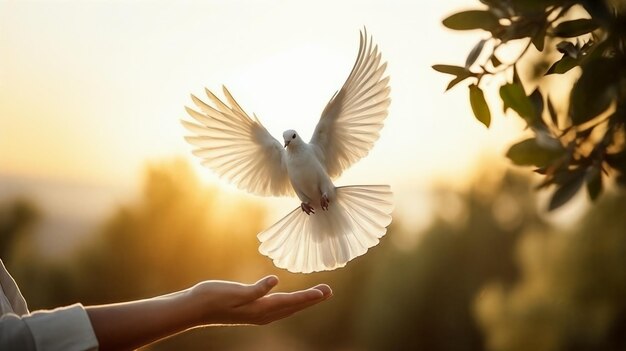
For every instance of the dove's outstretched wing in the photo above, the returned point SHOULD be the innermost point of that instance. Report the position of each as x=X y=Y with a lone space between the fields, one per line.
x=351 y=121
x=238 y=147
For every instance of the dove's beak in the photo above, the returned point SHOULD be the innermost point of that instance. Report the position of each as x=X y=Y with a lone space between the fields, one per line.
x=287 y=143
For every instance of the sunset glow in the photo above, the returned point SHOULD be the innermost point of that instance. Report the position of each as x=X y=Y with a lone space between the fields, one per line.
x=90 y=90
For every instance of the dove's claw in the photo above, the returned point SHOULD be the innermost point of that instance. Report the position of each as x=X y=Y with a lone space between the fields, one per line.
x=324 y=202
x=308 y=209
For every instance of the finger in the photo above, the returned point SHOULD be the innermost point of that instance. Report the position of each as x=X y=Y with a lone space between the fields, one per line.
x=279 y=301
x=325 y=289
x=286 y=310
x=260 y=288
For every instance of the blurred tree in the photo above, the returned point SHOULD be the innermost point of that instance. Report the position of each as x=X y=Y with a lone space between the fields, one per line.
x=421 y=299
x=333 y=324
x=178 y=233
x=396 y=297
x=42 y=282
x=584 y=142
x=16 y=218
x=572 y=295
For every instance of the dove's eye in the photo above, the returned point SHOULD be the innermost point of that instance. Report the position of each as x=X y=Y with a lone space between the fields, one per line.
x=293 y=137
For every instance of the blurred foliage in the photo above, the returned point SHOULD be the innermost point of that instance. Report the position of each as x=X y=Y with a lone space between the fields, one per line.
x=453 y=289
x=40 y=280
x=584 y=143
x=572 y=294
x=16 y=219
x=178 y=233
x=421 y=299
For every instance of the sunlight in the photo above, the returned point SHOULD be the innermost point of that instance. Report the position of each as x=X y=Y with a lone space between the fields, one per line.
x=100 y=104
x=446 y=244
x=115 y=110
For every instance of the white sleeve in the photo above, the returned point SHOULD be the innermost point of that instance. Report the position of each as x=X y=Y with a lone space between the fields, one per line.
x=14 y=333
x=66 y=328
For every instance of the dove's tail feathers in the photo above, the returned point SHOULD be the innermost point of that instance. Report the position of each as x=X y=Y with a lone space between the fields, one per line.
x=327 y=240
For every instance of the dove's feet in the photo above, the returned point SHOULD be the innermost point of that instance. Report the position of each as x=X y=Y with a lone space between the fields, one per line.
x=324 y=202
x=308 y=209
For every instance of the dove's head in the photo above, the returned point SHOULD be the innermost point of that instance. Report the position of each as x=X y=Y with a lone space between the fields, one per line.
x=291 y=137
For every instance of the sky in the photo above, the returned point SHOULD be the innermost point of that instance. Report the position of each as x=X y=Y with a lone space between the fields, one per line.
x=90 y=91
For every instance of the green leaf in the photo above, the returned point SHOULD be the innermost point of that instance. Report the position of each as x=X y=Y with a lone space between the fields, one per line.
x=563 y=65
x=566 y=190
x=522 y=28
x=454 y=70
x=495 y=61
x=537 y=101
x=473 y=19
x=461 y=73
x=514 y=97
x=594 y=91
x=473 y=55
x=454 y=82
x=530 y=153
x=552 y=111
x=599 y=10
x=594 y=182
x=479 y=105
x=516 y=78
x=568 y=48
x=574 y=28
x=539 y=39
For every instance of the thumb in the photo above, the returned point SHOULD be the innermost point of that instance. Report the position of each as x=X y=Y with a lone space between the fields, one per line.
x=261 y=287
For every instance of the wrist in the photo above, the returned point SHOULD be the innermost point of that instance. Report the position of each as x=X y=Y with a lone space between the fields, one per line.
x=203 y=304
x=191 y=303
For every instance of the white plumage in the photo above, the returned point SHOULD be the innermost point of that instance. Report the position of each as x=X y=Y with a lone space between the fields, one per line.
x=332 y=225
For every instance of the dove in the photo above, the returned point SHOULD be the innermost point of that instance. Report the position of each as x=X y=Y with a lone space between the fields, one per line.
x=332 y=225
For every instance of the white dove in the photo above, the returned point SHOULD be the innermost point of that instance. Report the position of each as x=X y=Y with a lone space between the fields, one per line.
x=333 y=224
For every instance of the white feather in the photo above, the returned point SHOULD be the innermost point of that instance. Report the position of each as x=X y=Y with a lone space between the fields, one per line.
x=329 y=239
x=237 y=147
x=240 y=149
x=351 y=121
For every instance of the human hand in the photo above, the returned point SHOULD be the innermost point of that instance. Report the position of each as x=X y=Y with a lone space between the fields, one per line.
x=223 y=302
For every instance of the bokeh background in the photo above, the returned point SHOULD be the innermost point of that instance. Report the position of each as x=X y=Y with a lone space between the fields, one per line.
x=100 y=200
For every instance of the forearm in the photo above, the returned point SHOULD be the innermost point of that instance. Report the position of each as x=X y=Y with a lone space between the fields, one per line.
x=133 y=324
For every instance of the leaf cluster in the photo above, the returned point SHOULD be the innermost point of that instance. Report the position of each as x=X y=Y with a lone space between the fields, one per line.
x=584 y=144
